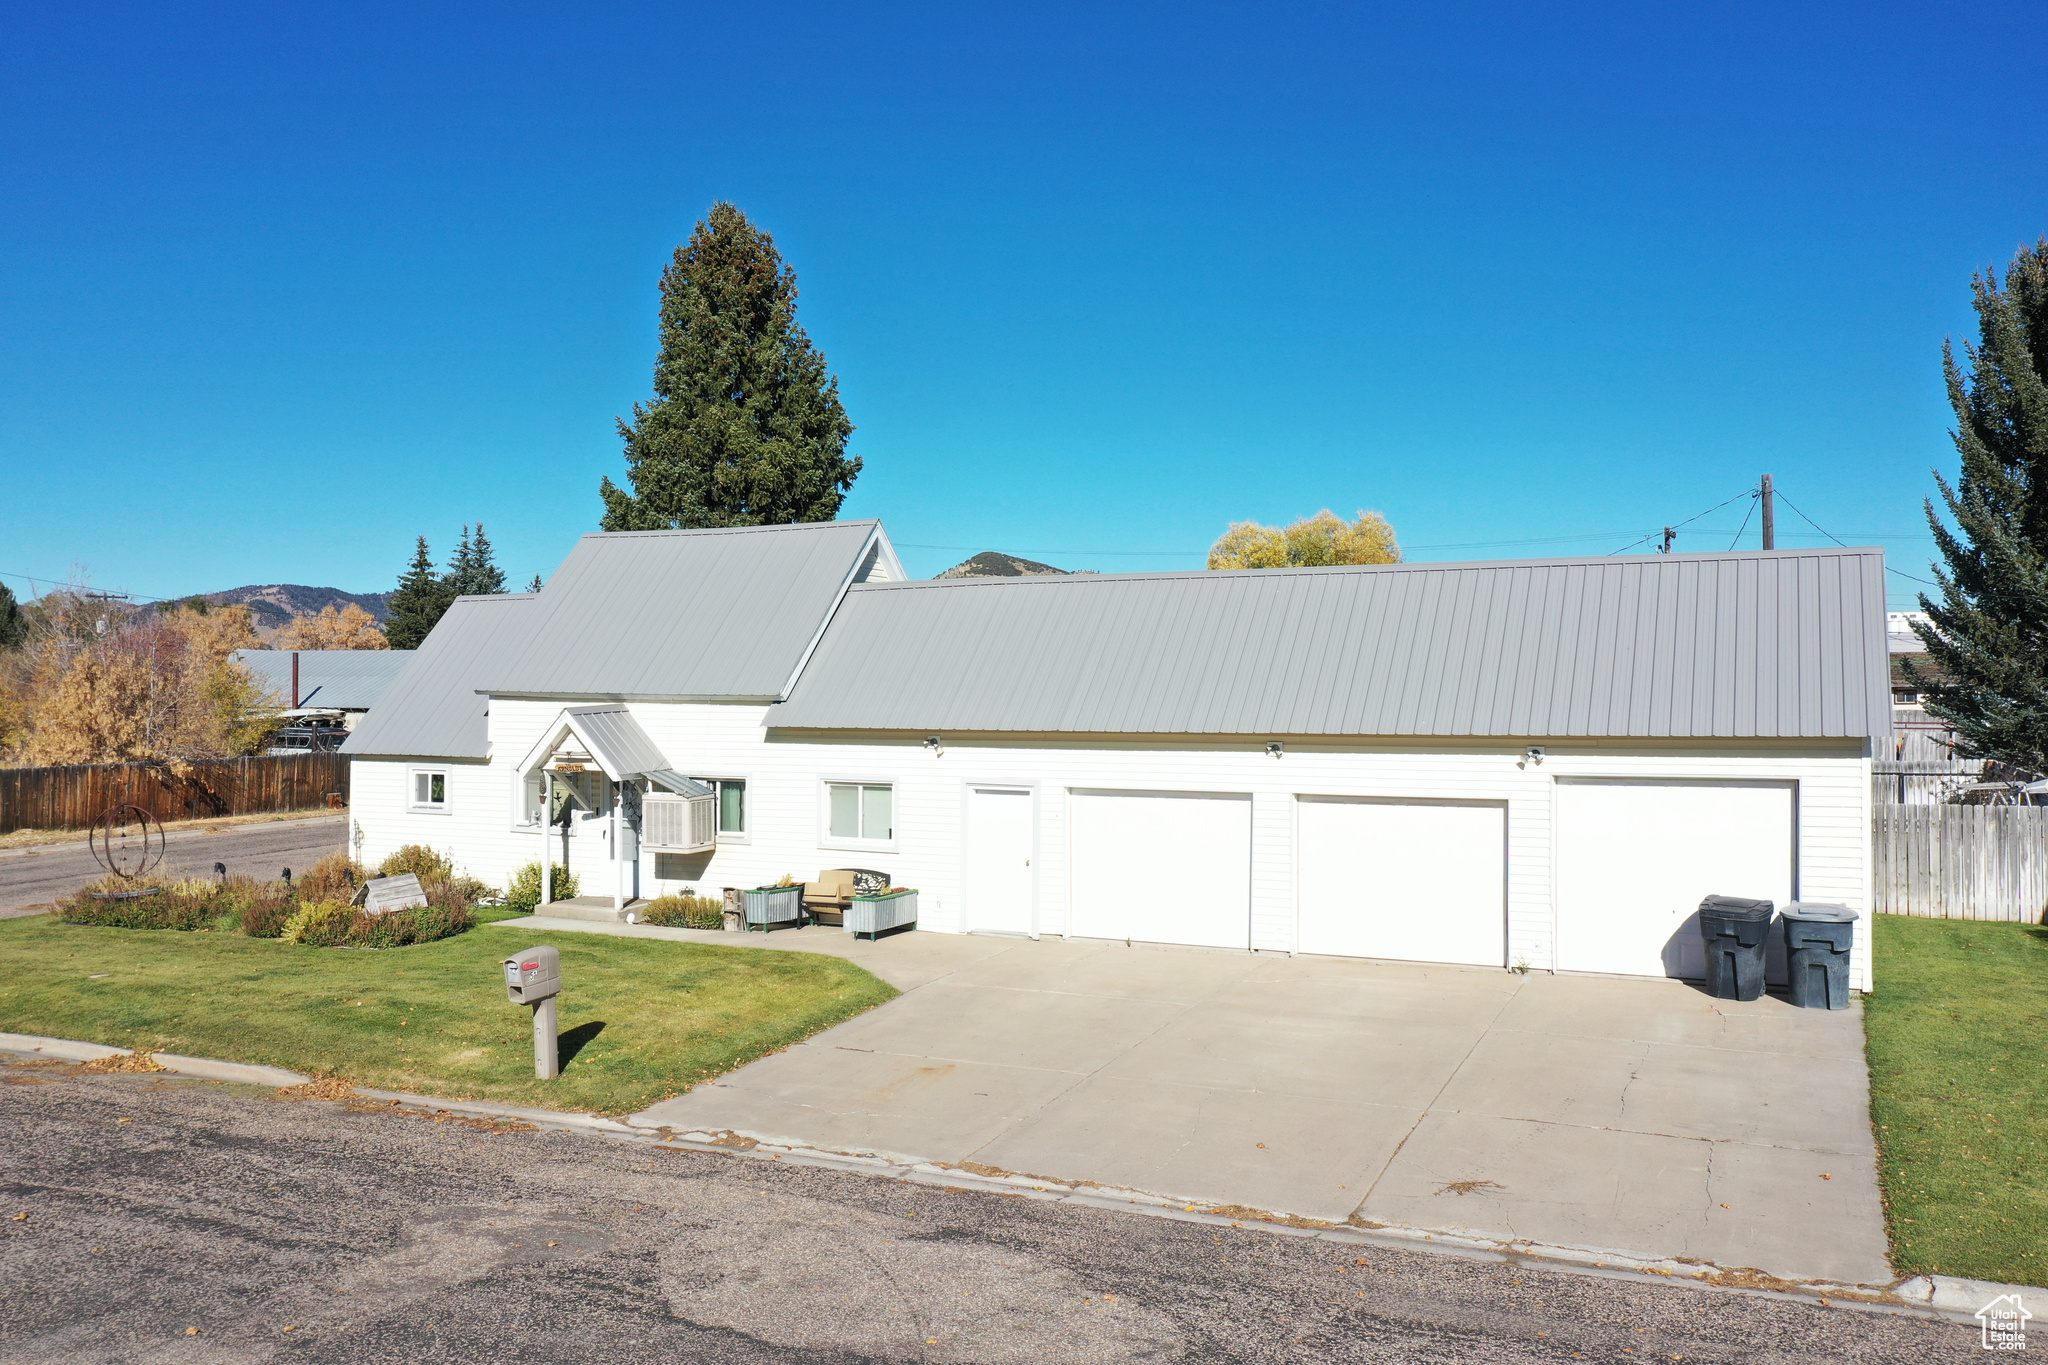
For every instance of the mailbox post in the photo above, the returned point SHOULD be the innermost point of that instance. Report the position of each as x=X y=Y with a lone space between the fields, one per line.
x=534 y=977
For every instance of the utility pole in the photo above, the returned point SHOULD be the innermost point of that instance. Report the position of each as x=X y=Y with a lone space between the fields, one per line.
x=1668 y=536
x=1770 y=517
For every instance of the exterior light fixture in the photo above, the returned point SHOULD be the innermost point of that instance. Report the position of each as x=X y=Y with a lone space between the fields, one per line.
x=1533 y=755
x=935 y=744
x=1273 y=748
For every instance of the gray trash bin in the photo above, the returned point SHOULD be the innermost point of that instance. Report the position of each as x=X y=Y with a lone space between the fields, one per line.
x=1734 y=930
x=1818 y=937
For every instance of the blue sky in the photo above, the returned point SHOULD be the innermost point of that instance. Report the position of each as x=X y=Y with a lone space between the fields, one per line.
x=283 y=287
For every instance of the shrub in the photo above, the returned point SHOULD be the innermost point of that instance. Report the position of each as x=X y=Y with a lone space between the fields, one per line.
x=267 y=909
x=419 y=860
x=319 y=924
x=420 y=924
x=522 y=893
x=186 y=905
x=333 y=878
x=687 y=912
x=330 y=924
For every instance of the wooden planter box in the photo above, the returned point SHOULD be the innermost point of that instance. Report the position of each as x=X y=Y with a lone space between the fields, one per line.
x=872 y=915
x=770 y=905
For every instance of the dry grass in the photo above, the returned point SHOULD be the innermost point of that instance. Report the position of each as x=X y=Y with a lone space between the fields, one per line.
x=38 y=838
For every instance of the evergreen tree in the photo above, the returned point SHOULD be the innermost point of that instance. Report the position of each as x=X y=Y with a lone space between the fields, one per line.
x=473 y=570
x=422 y=598
x=746 y=427
x=1989 y=636
x=13 y=625
x=535 y=585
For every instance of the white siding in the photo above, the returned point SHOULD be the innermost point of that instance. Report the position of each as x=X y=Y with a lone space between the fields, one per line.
x=783 y=773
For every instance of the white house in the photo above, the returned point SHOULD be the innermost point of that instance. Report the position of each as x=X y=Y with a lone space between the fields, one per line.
x=1542 y=763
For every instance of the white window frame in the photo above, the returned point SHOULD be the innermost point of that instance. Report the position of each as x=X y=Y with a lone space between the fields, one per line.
x=412 y=785
x=826 y=839
x=745 y=834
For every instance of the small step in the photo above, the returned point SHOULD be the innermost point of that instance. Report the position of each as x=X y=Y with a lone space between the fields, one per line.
x=598 y=908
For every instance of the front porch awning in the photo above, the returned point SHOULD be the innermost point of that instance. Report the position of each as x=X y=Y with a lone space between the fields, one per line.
x=615 y=742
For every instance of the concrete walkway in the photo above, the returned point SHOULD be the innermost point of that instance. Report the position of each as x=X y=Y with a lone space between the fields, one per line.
x=1637 y=1116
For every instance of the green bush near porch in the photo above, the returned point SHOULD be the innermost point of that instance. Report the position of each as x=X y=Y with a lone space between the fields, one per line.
x=1959 y=1095
x=640 y=1020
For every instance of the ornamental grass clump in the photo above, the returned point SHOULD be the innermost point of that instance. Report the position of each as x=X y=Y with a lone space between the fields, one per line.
x=684 y=912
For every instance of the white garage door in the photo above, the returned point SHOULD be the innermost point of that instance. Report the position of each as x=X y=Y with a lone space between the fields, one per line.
x=1634 y=860
x=1421 y=881
x=1163 y=867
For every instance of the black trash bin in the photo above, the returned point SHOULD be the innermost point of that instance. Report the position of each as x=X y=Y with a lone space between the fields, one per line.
x=1734 y=930
x=1818 y=937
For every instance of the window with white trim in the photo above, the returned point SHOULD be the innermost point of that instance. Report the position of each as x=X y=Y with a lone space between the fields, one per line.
x=860 y=812
x=429 y=790
x=732 y=804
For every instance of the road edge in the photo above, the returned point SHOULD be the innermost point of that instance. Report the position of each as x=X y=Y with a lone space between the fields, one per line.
x=1946 y=1297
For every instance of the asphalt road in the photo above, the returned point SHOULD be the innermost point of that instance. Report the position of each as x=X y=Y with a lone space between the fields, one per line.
x=38 y=876
x=185 y=1223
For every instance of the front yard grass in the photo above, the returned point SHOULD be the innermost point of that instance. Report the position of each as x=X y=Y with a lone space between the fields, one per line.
x=1959 y=1093
x=640 y=1020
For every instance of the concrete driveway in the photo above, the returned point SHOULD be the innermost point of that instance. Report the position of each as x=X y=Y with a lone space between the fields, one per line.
x=1609 y=1114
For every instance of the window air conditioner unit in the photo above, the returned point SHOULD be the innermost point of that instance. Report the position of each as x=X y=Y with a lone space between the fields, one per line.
x=678 y=824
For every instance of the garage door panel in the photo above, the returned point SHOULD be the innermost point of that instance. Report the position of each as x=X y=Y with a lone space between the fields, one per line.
x=1419 y=881
x=1635 y=858
x=1162 y=867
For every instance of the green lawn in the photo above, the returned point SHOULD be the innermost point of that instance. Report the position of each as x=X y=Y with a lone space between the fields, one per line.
x=1959 y=1094
x=643 y=1019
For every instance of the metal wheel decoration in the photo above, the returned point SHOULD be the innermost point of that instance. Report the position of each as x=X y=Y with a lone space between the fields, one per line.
x=127 y=841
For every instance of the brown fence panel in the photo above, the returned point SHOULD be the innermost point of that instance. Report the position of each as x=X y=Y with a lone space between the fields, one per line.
x=181 y=789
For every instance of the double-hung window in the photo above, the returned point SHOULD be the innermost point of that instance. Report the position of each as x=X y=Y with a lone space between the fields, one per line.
x=860 y=812
x=429 y=790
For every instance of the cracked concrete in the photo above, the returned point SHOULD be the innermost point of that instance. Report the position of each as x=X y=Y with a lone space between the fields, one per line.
x=1609 y=1114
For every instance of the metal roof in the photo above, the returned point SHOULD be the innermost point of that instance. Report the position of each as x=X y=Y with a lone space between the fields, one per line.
x=330 y=679
x=1786 y=643
x=432 y=709
x=616 y=740
x=718 y=614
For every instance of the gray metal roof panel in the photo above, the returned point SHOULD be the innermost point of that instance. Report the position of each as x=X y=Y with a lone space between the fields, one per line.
x=346 y=679
x=1759 y=644
x=719 y=613
x=617 y=741
x=432 y=708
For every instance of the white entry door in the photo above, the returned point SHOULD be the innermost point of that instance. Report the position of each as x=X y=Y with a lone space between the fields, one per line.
x=1162 y=867
x=1424 y=881
x=1635 y=858
x=999 y=860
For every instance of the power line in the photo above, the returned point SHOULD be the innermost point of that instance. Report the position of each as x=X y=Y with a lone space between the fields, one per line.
x=1745 y=493
x=1755 y=498
x=1838 y=540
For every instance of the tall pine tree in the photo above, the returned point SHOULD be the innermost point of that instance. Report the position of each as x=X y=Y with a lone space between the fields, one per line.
x=746 y=427
x=1989 y=636
x=421 y=599
x=474 y=570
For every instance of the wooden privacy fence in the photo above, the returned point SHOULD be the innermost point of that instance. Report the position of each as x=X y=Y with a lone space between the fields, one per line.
x=1960 y=862
x=179 y=789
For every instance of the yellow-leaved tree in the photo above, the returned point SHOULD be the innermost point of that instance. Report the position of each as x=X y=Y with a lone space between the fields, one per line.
x=111 y=685
x=349 y=628
x=1324 y=538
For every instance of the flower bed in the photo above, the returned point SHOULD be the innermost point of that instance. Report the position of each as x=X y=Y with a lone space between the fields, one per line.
x=314 y=911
